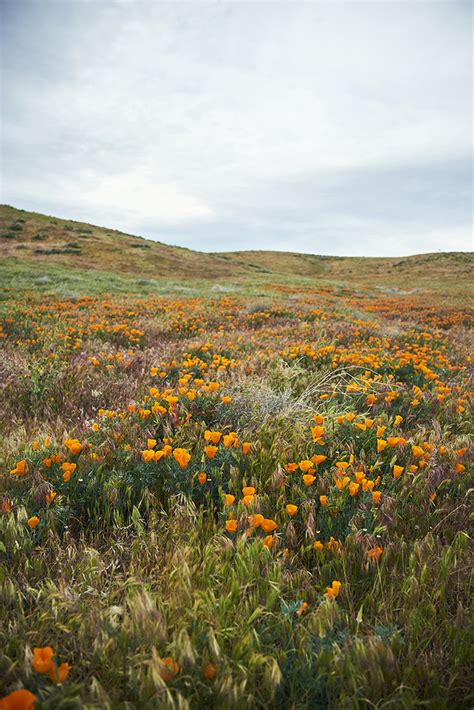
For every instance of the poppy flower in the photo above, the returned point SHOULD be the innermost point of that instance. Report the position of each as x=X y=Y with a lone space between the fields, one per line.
x=18 y=700
x=376 y=496
x=248 y=491
x=229 y=499
x=209 y=671
x=182 y=457
x=256 y=520
x=202 y=478
x=74 y=446
x=210 y=451
x=42 y=659
x=59 y=674
x=318 y=546
x=323 y=500
x=305 y=465
x=246 y=447
x=268 y=541
x=33 y=522
x=20 y=469
x=291 y=509
x=308 y=479
x=375 y=553
x=397 y=471
x=169 y=669
x=381 y=445
x=333 y=591
x=268 y=525
x=231 y=525
x=353 y=488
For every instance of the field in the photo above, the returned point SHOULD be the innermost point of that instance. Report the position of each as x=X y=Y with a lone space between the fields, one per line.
x=231 y=481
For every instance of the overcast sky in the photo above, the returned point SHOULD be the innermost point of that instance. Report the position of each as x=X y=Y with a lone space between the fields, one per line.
x=319 y=127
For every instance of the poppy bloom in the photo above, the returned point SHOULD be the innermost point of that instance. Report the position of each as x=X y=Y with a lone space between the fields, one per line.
x=202 y=478
x=42 y=659
x=353 y=488
x=169 y=669
x=256 y=520
x=308 y=479
x=305 y=465
x=376 y=496
x=375 y=553
x=248 y=491
x=231 y=525
x=210 y=451
x=213 y=436
x=268 y=541
x=397 y=471
x=323 y=500
x=50 y=496
x=182 y=457
x=318 y=546
x=74 y=446
x=381 y=445
x=151 y=443
x=268 y=525
x=33 y=522
x=59 y=674
x=291 y=509
x=246 y=447
x=229 y=499
x=18 y=700
x=333 y=591
x=209 y=671
x=20 y=469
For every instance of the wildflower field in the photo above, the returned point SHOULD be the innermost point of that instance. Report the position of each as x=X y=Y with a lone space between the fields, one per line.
x=235 y=500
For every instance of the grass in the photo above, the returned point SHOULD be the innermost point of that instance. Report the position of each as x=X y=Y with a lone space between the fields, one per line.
x=136 y=410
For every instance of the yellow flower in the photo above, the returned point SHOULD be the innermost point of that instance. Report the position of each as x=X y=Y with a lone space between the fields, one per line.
x=376 y=496
x=291 y=509
x=353 y=488
x=151 y=443
x=305 y=465
x=148 y=455
x=248 y=491
x=381 y=445
x=74 y=446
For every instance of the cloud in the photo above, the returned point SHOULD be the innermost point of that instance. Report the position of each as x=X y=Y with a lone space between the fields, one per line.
x=319 y=126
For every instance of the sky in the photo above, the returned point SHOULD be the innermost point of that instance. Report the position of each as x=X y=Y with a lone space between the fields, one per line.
x=330 y=127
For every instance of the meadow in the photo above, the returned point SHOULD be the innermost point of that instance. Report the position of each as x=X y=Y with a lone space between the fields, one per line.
x=231 y=495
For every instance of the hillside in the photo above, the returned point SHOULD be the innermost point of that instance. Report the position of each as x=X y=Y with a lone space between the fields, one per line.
x=28 y=238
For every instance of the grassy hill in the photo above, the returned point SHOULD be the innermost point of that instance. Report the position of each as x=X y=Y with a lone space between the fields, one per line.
x=38 y=250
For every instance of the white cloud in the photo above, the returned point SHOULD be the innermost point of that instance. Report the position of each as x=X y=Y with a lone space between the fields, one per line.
x=182 y=115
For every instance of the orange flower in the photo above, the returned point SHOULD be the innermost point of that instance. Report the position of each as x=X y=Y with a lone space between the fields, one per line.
x=151 y=443
x=318 y=546
x=308 y=479
x=213 y=436
x=375 y=553
x=246 y=500
x=42 y=659
x=59 y=674
x=18 y=700
x=20 y=469
x=305 y=465
x=353 y=488
x=169 y=669
x=333 y=591
x=381 y=445
x=291 y=509
x=74 y=446
x=459 y=468
x=268 y=541
x=256 y=520
x=323 y=500
x=318 y=458
x=33 y=522
x=50 y=496
x=226 y=399
x=248 y=491
x=376 y=496
x=229 y=499
x=182 y=457
x=231 y=526
x=417 y=451
x=209 y=671
x=210 y=451
x=246 y=447
x=202 y=478
x=397 y=471
x=268 y=525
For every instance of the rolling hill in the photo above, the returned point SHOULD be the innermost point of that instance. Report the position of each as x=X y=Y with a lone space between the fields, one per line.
x=49 y=244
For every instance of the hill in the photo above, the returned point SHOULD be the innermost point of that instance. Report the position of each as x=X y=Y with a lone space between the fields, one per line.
x=53 y=245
